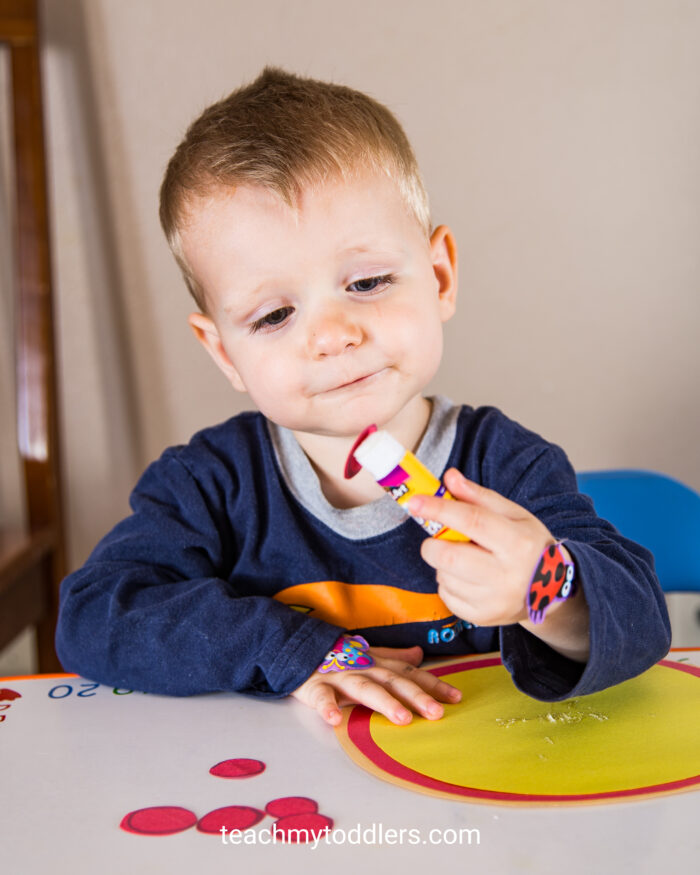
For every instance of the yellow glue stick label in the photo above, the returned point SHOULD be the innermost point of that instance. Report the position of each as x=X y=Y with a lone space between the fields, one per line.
x=410 y=477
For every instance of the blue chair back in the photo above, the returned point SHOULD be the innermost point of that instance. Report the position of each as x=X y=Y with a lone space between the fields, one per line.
x=656 y=511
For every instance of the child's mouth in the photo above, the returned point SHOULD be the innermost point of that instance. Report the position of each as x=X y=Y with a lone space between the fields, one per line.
x=359 y=380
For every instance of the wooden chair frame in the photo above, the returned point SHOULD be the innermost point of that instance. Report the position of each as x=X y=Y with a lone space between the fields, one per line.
x=32 y=562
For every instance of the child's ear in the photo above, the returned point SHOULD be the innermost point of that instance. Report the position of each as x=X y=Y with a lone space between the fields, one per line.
x=207 y=334
x=443 y=253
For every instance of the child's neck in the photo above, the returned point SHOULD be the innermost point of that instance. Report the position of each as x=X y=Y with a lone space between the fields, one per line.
x=328 y=456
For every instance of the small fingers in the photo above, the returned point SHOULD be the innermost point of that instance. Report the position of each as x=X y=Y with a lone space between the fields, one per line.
x=395 y=689
x=468 y=490
x=468 y=561
x=420 y=690
x=424 y=679
x=393 y=686
x=485 y=527
x=367 y=691
x=324 y=702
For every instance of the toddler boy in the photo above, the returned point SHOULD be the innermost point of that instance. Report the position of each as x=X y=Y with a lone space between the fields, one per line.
x=296 y=212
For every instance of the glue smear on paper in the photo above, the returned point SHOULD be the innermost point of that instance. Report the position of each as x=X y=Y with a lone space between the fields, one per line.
x=571 y=714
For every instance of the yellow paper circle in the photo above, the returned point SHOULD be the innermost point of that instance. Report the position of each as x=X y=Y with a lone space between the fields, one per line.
x=639 y=736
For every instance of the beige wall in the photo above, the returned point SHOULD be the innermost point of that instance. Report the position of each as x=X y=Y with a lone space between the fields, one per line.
x=559 y=138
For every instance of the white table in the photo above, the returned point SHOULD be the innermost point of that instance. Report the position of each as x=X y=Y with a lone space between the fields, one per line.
x=75 y=758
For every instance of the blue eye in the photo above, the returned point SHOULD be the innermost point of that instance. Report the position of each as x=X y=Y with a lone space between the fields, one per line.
x=371 y=284
x=272 y=320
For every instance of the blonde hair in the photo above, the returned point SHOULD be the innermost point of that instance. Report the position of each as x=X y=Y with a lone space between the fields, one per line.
x=286 y=134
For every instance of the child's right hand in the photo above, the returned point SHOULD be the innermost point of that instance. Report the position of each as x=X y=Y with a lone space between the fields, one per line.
x=392 y=686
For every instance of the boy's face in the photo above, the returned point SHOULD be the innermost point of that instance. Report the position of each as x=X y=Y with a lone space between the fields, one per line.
x=330 y=319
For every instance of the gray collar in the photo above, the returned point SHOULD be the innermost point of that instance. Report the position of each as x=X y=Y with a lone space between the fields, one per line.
x=377 y=517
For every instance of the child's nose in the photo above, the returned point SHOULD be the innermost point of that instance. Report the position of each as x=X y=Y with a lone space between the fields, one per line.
x=333 y=331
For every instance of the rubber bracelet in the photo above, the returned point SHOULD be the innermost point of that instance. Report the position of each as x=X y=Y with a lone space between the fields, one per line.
x=348 y=652
x=553 y=581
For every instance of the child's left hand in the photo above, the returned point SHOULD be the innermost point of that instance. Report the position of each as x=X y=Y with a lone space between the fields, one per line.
x=485 y=580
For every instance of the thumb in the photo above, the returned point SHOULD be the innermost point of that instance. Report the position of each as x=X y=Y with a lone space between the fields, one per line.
x=414 y=655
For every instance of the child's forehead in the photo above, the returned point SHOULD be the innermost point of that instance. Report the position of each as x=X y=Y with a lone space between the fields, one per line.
x=352 y=211
x=368 y=185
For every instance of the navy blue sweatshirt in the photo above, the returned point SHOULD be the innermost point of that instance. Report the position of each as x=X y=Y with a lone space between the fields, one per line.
x=222 y=578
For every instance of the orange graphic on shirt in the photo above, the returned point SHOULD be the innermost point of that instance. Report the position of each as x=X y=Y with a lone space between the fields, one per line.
x=361 y=606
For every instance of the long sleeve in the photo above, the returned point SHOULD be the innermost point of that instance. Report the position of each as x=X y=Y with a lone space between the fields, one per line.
x=157 y=606
x=629 y=625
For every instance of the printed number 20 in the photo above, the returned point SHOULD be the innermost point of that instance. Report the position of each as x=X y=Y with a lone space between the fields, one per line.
x=87 y=690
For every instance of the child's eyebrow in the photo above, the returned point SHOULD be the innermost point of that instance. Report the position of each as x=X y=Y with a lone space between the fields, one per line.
x=372 y=249
x=246 y=301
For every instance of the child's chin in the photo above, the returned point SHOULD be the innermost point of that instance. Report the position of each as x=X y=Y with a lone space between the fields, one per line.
x=347 y=416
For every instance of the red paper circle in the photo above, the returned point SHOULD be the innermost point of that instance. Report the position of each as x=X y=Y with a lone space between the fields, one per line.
x=237 y=768
x=360 y=734
x=297 y=828
x=286 y=805
x=159 y=820
x=231 y=817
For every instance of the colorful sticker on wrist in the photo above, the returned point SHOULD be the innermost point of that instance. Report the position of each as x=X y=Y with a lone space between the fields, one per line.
x=553 y=581
x=349 y=652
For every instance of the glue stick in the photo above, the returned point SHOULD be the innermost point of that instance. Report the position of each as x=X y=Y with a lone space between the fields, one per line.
x=400 y=473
